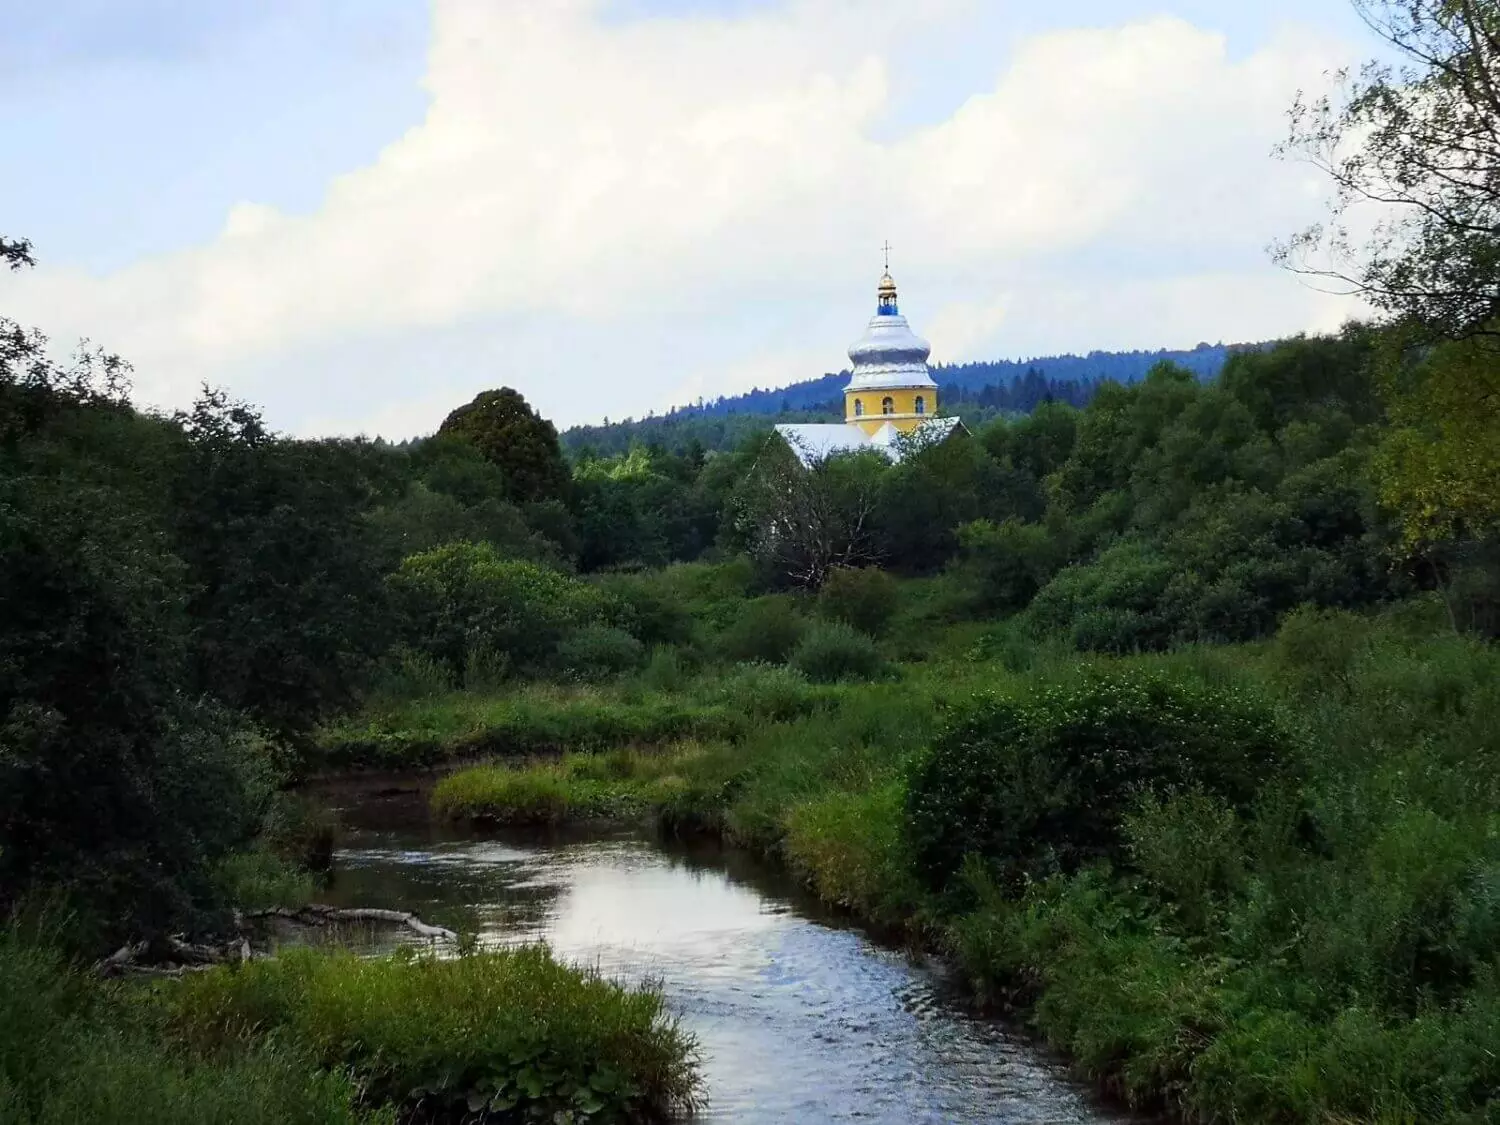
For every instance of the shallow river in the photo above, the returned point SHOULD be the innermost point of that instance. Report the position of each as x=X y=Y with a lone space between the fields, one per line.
x=799 y=1018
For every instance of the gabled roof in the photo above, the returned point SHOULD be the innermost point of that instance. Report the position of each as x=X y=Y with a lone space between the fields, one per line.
x=813 y=442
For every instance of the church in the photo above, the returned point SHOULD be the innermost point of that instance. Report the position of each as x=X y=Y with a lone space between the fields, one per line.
x=890 y=402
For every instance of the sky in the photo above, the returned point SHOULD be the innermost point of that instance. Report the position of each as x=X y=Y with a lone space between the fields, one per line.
x=358 y=214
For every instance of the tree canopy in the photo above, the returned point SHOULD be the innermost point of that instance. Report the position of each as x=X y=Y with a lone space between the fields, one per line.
x=504 y=428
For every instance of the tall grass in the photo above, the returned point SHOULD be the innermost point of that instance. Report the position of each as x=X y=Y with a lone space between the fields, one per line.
x=623 y=784
x=73 y=1049
x=510 y=1031
x=535 y=719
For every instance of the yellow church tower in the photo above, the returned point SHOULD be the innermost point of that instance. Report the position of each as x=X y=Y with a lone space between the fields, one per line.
x=891 y=383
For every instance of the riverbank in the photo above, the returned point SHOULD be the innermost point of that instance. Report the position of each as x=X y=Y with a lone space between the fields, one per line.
x=1315 y=946
x=324 y=1037
x=800 y=1014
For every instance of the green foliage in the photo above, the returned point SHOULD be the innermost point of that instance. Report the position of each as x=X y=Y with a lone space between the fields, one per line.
x=665 y=670
x=832 y=652
x=621 y=784
x=258 y=878
x=597 y=652
x=512 y=1031
x=766 y=629
x=512 y=436
x=1115 y=604
x=851 y=848
x=1191 y=846
x=283 y=579
x=1040 y=783
x=74 y=1050
x=1317 y=650
x=648 y=608
x=528 y=721
x=765 y=691
x=865 y=599
x=404 y=674
x=1001 y=567
x=464 y=597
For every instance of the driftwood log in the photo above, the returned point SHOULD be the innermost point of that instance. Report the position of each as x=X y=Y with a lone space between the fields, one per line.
x=173 y=956
x=316 y=915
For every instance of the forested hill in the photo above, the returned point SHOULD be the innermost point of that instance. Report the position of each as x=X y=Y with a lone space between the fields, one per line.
x=978 y=388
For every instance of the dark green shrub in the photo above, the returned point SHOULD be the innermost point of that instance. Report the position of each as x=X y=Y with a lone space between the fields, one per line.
x=644 y=606
x=465 y=597
x=1114 y=604
x=832 y=652
x=766 y=630
x=405 y=674
x=598 y=652
x=1041 y=783
x=1002 y=566
x=666 y=670
x=765 y=691
x=1316 y=650
x=864 y=598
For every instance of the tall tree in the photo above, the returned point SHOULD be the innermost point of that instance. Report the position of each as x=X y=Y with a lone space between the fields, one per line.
x=1422 y=138
x=804 y=522
x=503 y=427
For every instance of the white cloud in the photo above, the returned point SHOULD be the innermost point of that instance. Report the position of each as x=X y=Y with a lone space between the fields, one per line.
x=599 y=209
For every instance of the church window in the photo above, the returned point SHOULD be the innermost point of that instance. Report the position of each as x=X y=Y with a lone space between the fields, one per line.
x=887 y=405
x=921 y=407
x=859 y=407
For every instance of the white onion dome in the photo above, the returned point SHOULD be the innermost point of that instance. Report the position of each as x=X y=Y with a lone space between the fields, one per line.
x=890 y=355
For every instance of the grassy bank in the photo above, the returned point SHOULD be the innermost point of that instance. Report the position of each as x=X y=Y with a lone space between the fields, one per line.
x=330 y=1038
x=1252 y=883
x=552 y=718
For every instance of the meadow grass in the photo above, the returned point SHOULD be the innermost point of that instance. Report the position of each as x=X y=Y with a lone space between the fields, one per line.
x=74 y=1049
x=625 y=784
x=532 y=719
x=510 y=1032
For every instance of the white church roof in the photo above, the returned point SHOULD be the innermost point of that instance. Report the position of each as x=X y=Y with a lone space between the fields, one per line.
x=813 y=442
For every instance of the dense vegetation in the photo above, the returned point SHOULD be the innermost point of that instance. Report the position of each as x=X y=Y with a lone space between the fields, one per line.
x=1166 y=710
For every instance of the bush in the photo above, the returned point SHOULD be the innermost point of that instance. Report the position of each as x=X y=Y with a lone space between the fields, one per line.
x=1041 y=783
x=644 y=606
x=406 y=674
x=665 y=671
x=511 y=1030
x=1113 y=604
x=863 y=598
x=464 y=597
x=765 y=691
x=1002 y=566
x=485 y=668
x=597 y=652
x=766 y=630
x=1316 y=650
x=834 y=652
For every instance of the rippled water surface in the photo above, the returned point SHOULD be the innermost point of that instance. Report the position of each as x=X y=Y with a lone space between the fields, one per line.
x=798 y=1018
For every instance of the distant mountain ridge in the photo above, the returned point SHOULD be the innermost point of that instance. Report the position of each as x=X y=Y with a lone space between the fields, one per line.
x=998 y=385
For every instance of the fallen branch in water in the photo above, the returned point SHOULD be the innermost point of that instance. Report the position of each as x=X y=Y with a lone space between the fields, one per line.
x=317 y=915
x=173 y=956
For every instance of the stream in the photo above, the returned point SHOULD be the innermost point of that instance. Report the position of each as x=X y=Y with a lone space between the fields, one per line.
x=799 y=1016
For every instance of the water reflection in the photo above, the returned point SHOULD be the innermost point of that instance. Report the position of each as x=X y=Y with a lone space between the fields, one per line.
x=799 y=1020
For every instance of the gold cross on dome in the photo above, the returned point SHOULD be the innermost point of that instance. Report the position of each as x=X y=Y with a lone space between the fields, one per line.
x=887 y=249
